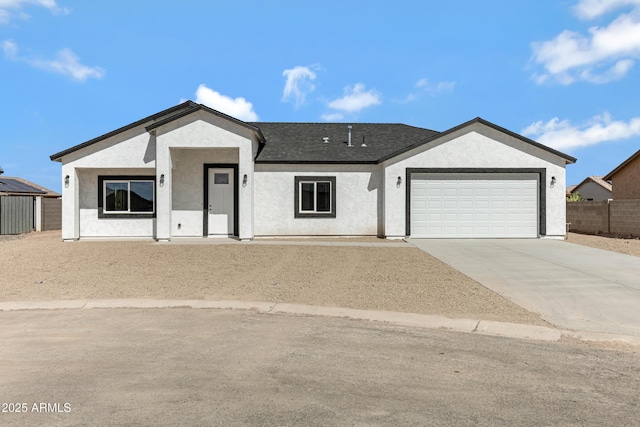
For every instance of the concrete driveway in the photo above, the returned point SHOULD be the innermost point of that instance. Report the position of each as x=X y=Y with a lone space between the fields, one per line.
x=572 y=286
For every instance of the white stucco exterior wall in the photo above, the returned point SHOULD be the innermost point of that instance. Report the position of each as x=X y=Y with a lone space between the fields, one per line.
x=476 y=146
x=129 y=153
x=187 y=213
x=358 y=189
x=201 y=130
x=93 y=227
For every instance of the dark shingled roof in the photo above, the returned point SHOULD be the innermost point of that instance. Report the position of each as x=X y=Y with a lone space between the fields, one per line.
x=304 y=142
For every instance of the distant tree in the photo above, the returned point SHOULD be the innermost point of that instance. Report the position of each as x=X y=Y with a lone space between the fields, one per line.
x=575 y=197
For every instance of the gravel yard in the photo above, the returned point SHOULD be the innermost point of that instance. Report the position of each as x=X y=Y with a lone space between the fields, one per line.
x=624 y=246
x=39 y=266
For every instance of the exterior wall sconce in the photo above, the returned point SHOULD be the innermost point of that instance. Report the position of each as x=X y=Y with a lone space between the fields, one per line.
x=161 y=180
x=399 y=182
x=553 y=181
x=244 y=180
x=66 y=181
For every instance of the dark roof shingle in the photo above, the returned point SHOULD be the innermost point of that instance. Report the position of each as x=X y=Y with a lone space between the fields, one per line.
x=303 y=142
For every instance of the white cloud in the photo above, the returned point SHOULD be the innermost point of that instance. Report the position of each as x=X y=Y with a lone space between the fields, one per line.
x=10 y=49
x=562 y=135
x=66 y=62
x=332 y=117
x=590 y=9
x=426 y=88
x=604 y=55
x=239 y=108
x=11 y=8
x=299 y=83
x=443 y=86
x=356 y=98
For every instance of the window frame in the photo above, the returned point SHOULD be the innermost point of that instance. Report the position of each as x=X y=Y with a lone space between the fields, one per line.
x=102 y=182
x=298 y=181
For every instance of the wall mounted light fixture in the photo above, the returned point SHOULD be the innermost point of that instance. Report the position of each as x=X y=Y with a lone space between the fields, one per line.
x=553 y=181
x=399 y=182
x=161 y=180
x=244 y=180
x=66 y=181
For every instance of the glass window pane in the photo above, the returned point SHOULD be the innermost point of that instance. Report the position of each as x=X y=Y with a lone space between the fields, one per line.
x=141 y=196
x=324 y=196
x=306 y=196
x=220 y=178
x=116 y=196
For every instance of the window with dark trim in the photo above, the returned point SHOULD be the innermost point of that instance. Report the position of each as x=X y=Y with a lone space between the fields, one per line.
x=315 y=197
x=126 y=196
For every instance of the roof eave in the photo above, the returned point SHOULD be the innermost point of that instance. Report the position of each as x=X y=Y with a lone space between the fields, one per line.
x=568 y=159
x=58 y=156
x=316 y=162
x=197 y=107
x=621 y=165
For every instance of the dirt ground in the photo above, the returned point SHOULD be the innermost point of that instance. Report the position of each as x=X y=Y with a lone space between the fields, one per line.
x=39 y=266
x=624 y=246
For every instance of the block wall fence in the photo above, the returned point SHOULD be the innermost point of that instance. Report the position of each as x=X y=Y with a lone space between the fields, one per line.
x=618 y=217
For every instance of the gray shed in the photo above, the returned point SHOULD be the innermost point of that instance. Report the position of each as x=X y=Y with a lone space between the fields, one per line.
x=25 y=206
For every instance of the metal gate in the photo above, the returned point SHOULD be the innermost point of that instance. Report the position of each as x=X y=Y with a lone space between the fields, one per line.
x=16 y=214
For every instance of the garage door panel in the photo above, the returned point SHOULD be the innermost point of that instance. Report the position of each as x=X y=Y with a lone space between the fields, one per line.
x=474 y=205
x=465 y=204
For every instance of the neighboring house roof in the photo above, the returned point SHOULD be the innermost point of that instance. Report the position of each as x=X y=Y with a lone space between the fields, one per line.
x=570 y=189
x=610 y=175
x=303 y=142
x=12 y=186
x=596 y=180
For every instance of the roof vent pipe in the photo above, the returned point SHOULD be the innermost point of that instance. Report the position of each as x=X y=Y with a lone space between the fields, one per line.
x=325 y=139
x=349 y=141
x=363 y=144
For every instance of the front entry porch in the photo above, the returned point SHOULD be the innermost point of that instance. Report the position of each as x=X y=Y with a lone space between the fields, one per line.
x=208 y=190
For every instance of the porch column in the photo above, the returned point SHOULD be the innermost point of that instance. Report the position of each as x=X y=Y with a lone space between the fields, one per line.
x=245 y=193
x=70 y=204
x=163 y=190
x=394 y=203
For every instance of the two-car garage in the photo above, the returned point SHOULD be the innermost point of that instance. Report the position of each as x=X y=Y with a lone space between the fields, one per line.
x=474 y=204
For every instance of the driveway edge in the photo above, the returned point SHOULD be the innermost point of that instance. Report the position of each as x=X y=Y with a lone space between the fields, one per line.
x=482 y=327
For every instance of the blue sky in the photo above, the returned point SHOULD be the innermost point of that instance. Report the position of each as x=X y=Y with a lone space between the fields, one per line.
x=561 y=72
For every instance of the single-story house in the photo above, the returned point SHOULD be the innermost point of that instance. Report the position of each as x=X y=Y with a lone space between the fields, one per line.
x=593 y=188
x=624 y=178
x=191 y=171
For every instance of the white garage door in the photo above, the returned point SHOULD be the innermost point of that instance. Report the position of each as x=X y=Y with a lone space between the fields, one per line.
x=474 y=205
